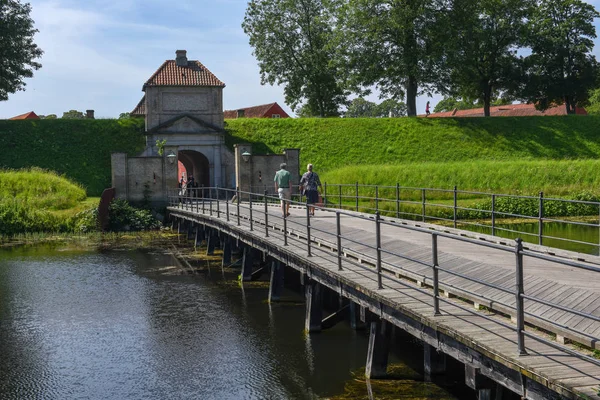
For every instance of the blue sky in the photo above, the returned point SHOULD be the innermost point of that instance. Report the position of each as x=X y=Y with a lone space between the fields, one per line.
x=98 y=53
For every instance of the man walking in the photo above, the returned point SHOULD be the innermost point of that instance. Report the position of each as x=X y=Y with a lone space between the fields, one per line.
x=283 y=185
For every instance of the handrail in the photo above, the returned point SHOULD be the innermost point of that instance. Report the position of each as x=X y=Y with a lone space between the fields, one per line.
x=260 y=215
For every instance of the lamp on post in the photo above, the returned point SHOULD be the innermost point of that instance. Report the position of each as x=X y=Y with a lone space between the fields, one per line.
x=246 y=156
x=171 y=157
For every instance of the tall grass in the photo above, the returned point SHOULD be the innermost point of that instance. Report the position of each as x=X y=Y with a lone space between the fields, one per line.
x=39 y=189
x=553 y=177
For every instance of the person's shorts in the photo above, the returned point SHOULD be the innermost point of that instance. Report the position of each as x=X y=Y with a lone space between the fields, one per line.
x=284 y=194
x=312 y=196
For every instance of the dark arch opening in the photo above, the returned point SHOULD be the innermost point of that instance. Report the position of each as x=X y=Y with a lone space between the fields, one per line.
x=195 y=164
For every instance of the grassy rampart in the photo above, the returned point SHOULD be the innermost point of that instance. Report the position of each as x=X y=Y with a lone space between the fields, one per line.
x=79 y=149
x=500 y=154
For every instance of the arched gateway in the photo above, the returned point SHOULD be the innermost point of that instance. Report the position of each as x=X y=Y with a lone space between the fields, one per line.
x=183 y=110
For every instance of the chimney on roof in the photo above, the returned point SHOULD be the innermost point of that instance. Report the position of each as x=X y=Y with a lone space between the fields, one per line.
x=240 y=113
x=181 y=58
x=89 y=114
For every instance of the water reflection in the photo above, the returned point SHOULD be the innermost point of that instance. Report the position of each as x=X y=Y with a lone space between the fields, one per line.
x=114 y=325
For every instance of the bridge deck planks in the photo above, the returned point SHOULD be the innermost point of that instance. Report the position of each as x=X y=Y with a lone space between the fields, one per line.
x=543 y=359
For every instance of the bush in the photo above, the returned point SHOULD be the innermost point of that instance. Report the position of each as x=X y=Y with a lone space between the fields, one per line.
x=124 y=217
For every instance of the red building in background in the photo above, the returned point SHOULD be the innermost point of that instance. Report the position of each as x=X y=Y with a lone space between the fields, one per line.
x=272 y=110
x=29 y=115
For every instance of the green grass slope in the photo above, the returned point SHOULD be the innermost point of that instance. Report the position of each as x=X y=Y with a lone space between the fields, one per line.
x=333 y=143
x=40 y=189
x=500 y=154
x=79 y=149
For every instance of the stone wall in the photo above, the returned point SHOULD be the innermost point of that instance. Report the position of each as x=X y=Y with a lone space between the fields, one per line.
x=257 y=173
x=133 y=176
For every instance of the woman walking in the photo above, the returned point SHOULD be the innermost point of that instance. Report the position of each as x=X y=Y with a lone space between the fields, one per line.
x=310 y=185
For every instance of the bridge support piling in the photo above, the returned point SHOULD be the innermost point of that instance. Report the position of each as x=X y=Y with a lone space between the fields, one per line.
x=226 y=252
x=434 y=362
x=314 y=306
x=482 y=384
x=377 y=354
x=197 y=237
x=356 y=322
x=247 y=263
x=276 y=285
x=211 y=242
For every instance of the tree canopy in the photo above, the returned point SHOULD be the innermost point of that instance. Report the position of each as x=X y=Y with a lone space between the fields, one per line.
x=291 y=39
x=73 y=114
x=395 y=45
x=561 y=68
x=18 y=52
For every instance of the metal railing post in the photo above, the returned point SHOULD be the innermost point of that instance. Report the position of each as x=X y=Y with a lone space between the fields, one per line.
x=356 y=196
x=541 y=220
x=237 y=194
x=423 y=204
x=455 y=202
x=203 y=198
x=376 y=198
x=378 y=245
x=308 y=229
x=493 y=215
x=285 y=243
x=397 y=200
x=250 y=211
x=266 y=216
x=325 y=193
x=210 y=201
x=519 y=297
x=436 y=287
x=227 y=204
x=218 y=204
x=339 y=239
x=340 y=187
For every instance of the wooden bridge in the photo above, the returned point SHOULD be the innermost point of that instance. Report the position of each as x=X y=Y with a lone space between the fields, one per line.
x=521 y=318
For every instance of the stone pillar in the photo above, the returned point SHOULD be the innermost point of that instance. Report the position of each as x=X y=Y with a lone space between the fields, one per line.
x=434 y=362
x=314 y=307
x=217 y=167
x=276 y=286
x=243 y=170
x=247 y=263
x=377 y=354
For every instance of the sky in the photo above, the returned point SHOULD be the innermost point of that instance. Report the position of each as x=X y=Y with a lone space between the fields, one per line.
x=99 y=53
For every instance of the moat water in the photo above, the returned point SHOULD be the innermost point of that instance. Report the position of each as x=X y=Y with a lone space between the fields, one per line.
x=113 y=325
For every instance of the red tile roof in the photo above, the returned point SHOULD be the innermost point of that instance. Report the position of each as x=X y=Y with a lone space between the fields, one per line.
x=194 y=74
x=29 y=115
x=140 y=109
x=254 y=112
x=509 y=110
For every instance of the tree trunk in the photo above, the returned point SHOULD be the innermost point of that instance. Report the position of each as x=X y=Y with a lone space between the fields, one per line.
x=570 y=105
x=487 y=99
x=411 y=96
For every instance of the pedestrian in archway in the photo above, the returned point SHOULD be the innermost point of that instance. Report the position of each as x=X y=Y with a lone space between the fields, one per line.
x=283 y=185
x=310 y=185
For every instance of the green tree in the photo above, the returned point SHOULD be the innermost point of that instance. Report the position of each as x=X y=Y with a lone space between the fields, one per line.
x=124 y=115
x=291 y=39
x=396 y=45
x=594 y=102
x=390 y=108
x=561 y=68
x=18 y=52
x=361 y=108
x=73 y=114
x=51 y=116
x=450 y=103
x=482 y=56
